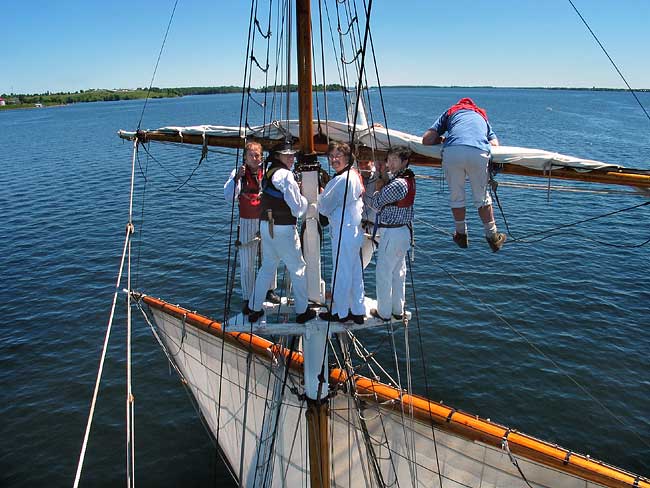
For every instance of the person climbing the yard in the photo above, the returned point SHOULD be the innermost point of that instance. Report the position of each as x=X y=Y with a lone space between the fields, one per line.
x=466 y=154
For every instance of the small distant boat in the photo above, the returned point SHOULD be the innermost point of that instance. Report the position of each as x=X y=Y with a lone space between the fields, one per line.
x=38 y=105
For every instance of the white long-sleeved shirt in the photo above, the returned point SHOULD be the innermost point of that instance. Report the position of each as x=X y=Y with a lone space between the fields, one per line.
x=331 y=200
x=284 y=181
x=231 y=187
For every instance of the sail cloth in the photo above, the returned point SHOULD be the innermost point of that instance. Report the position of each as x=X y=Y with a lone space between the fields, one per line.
x=380 y=138
x=263 y=434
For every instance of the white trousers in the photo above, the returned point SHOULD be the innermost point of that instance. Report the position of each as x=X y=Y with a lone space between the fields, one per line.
x=367 y=246
x=348 y=292
x=248 y=229
x=283 y=246
x=391 y=270
x=461 y=162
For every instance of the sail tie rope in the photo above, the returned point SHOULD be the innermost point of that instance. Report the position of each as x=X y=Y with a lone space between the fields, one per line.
x=513 y=460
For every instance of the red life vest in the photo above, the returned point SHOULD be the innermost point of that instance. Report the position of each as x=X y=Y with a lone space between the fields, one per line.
x=249 y=195
x=408 y=200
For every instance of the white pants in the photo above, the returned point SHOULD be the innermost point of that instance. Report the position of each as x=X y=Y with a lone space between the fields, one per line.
x=348 y=292
x=248 y=229
x=394 y=243
x=283 y=246
x=367 y=246
x=461 y=162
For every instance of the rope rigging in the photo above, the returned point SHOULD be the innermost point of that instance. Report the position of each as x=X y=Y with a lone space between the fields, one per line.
x=610 y=60
x=533 y=346
x=274 y=406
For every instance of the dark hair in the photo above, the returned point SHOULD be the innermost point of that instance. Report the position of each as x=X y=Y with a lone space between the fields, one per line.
x=342 y=147
x=402 y=152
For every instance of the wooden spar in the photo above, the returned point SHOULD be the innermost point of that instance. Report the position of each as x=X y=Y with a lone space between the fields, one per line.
x=443 y=417
x=624 y=176
x=314 y=343
x=305 y=109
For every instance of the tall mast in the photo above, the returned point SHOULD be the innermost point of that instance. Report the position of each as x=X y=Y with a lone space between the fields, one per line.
x=315 y=337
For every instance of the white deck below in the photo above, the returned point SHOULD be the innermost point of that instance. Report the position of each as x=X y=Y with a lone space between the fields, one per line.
x=272 y=322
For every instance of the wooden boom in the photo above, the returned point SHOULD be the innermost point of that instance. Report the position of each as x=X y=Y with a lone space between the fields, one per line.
x=624 y=176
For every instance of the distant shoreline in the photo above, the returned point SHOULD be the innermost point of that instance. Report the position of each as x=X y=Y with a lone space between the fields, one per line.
x=48 y=99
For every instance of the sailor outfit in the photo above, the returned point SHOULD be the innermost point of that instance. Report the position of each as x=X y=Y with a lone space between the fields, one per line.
x=395 y=205
x=368 y=216
x=283 y=203
x=249 y=201
x=348 y=290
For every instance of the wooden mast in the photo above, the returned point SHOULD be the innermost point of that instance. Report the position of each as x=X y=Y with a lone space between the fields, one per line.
x=315 y=338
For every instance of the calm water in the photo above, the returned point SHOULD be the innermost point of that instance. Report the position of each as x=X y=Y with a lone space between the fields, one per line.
x=64 y=194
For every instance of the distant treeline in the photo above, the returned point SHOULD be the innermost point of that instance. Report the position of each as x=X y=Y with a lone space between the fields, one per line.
x=62 y=98
x=82 y=96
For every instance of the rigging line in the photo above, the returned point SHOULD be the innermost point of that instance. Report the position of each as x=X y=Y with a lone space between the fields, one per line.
x=338 y=68
x=153 y=76
x=287 y=371
x=611 y=60
x=367 y=440
x=203 y=157
x=424 y=366
x=214 y=195
x=535 y=348
x=278 y=41
x=322 y=53
x=429 y=224
x=381 y=92
x=362 y=68
x=343 y=73
x=266 y=73
x=185 y=384
x=127 y=240
x=563 y=226
x=401 y=403
x=288 y=60
x=249 y=358
x=130 y=400
x=321 y=377
x=141 y=226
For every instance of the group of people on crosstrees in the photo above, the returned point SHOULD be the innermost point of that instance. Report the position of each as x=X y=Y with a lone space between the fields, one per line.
x=368 y=207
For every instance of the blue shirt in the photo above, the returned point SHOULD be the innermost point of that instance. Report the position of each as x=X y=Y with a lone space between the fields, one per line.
x=465 y=128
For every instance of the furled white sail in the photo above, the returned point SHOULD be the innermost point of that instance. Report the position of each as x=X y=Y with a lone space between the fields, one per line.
x=381 y=138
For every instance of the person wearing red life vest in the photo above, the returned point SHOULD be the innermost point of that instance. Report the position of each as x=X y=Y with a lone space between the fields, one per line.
x=244 y=187
x=394 y=204
x=466 y=154
x=342 y=203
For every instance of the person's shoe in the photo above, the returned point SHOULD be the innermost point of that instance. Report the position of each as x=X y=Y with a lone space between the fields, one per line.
x=272 y=297
x=357 y=319
x=398 y=316
x=255 y=315
x=245 y=310
x=308 y=314
x=496 y=241
x=330 y=317
x=374 y=313
x=461 y=240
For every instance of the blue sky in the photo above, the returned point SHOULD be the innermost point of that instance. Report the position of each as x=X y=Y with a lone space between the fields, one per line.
x=72 y=45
